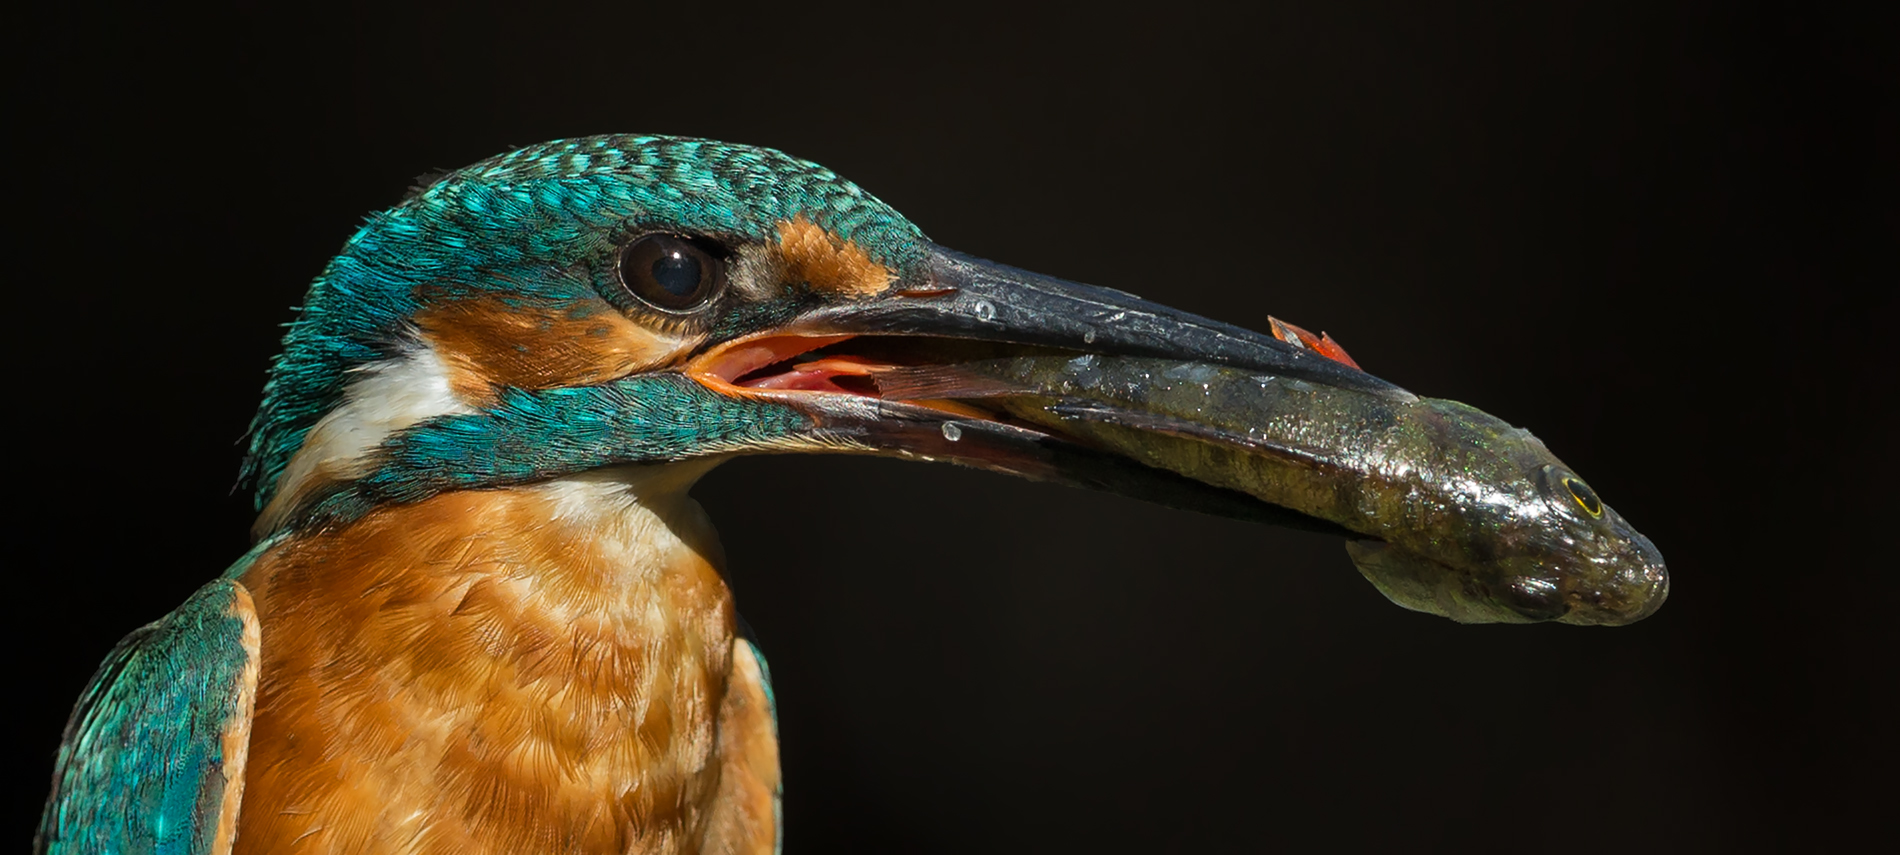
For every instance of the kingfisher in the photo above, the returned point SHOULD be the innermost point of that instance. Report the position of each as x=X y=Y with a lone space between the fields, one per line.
x=482 y=613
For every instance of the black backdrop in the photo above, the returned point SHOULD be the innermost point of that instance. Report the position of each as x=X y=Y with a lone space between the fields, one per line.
x=1647 y=231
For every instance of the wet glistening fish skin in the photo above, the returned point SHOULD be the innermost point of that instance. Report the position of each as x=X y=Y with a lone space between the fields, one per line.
x=1463 y=515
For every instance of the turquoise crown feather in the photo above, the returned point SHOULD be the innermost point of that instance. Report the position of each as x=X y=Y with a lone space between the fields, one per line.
x=511 y=225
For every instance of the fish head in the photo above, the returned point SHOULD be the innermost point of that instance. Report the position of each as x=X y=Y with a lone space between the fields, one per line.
x=1579 y=559
x=1550 y=550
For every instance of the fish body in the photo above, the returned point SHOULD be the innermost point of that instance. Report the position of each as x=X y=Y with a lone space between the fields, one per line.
x=1455 y=512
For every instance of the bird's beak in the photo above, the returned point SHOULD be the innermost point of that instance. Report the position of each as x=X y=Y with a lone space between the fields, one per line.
x=835 y=364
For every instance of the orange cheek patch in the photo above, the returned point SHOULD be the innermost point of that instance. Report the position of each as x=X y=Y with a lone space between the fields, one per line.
x=487 y=344
x=820 y=259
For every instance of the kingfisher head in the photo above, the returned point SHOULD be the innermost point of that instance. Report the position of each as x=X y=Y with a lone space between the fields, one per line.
x=619 y=300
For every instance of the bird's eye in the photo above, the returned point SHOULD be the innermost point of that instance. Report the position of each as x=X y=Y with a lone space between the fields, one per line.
x=1585 y=496
x=670 y=273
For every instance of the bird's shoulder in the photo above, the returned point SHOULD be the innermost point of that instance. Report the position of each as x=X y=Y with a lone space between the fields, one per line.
x=153 y=756
x=748 y=814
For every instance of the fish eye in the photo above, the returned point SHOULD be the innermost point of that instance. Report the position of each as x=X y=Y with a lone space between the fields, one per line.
x=670 y=273
x=1585 y=497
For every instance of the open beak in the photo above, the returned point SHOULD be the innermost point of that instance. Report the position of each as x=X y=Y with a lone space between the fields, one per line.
x=841 y=365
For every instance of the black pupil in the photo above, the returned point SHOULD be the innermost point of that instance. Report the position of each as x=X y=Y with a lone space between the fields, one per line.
x=677 y=272
x=669 y=272
x=1583 y=494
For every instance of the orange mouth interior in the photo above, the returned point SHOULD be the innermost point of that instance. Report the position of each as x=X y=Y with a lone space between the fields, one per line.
x=777 y=366
x=771 y=362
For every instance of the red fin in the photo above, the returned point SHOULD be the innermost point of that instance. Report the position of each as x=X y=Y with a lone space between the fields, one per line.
x=1333 y=351
x=1321 y=344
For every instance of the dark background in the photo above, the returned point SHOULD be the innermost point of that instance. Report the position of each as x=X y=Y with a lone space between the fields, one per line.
x=1648 y=231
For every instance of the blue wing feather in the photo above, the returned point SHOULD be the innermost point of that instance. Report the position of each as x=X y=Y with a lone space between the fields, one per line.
x=152 y=759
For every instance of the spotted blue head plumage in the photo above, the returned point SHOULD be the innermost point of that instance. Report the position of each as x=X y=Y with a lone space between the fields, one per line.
x=530 y=224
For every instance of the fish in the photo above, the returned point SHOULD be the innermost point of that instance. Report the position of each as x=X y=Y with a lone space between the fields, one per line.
x=1448 y=510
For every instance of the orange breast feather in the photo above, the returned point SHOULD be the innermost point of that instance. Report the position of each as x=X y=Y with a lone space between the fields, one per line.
x=528 y=670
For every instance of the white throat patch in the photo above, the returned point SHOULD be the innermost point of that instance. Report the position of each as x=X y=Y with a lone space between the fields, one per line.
x=382 y=399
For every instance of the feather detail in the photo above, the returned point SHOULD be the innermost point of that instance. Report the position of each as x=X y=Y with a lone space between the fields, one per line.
x=534 y=669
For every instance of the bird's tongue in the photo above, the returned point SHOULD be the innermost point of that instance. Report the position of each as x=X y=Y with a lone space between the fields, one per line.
x=746 y=363
x=818 y=375
x=923 y=372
